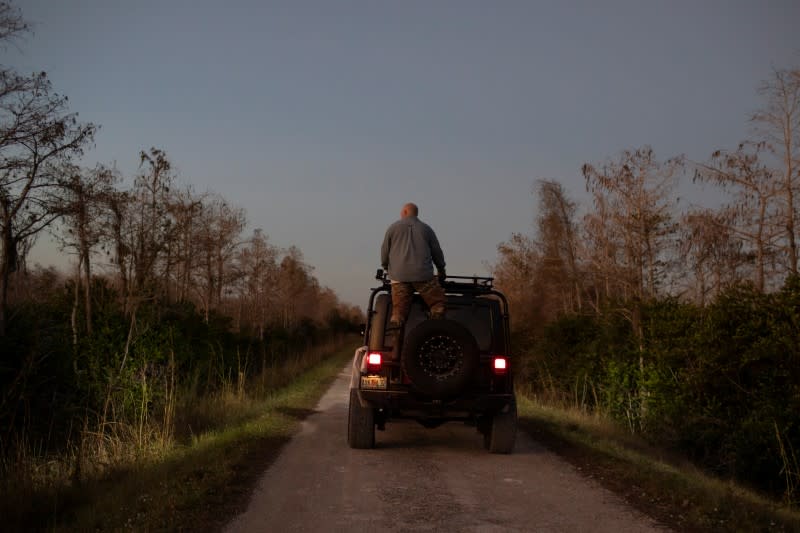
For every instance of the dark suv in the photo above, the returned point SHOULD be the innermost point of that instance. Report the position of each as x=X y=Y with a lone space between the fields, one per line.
x=436 y=370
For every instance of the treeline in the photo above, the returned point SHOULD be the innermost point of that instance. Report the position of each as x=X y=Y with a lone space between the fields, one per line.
x=680 y=321
x=169 y=300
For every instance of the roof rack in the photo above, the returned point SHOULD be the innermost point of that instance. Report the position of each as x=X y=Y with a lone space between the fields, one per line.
x=470 y=283
x=478 y=281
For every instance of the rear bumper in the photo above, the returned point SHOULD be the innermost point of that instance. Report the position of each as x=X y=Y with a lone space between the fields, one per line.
x=413 y=405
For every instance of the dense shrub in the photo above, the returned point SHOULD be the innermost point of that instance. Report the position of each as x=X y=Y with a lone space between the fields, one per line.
x=720 y=384
x=53 y=385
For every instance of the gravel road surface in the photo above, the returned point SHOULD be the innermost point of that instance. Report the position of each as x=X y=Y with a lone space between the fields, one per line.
x=419 y=479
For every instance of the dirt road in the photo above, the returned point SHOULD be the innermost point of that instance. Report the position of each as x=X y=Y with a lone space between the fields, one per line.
x=424 y=480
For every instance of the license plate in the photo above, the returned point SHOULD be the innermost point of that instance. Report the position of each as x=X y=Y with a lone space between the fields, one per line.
x=373 y=382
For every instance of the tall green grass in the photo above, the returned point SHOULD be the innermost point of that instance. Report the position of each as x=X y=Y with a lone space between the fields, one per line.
x=677 y=491
x=43 y=491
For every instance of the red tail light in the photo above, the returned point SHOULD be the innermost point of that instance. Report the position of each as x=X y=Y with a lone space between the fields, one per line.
x=374 y=360
x=500 y=365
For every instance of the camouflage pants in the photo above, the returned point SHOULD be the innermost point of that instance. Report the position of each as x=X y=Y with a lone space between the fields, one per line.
x=431 y=292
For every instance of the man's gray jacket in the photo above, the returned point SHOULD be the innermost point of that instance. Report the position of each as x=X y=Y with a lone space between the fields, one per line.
x=410 y=249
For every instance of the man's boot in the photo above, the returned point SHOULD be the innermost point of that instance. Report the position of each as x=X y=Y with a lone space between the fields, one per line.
x=437 y=313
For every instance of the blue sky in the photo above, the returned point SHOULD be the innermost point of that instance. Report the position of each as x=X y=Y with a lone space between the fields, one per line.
x=322 y=118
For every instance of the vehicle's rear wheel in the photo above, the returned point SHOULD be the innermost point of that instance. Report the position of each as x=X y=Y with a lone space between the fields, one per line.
x=500 y=438
x=440 y=357
x=360 y=424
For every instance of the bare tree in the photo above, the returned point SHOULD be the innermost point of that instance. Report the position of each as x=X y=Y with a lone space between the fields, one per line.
x=38 y=139
x=142 y=228
x=117 y=233
x=779 y=123
x=83 y=203
x=325 y=304
x=185 y=208
x=152 y=225
x=634 y=195
x=12 y=25
x=257 y=263
x=294 y=279
x=217 y=238
x=711 y=250
x=557 y=239
x=753 y=213
x=515 y=273
x=605 y=270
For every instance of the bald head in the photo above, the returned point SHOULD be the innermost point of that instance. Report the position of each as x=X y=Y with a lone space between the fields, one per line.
x=409 y=210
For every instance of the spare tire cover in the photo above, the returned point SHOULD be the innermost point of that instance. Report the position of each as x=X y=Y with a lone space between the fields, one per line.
x=440 y=357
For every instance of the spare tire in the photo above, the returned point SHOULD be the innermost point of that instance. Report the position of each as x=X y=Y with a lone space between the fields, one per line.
x=440 y=357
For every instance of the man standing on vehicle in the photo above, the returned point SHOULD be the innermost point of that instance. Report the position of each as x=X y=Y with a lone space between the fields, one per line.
x=409 y=252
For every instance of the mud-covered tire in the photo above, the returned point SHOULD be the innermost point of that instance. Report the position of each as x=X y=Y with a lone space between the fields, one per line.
x=440 y=357
x=360 y=424
x=503 y=433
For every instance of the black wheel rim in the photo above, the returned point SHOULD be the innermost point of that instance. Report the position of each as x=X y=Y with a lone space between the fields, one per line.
x=440 y=357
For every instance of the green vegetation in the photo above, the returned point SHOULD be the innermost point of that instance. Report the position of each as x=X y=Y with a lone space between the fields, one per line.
x=658 y=483
x=193 y=482
x=679 y=324
x=720 y=384
x=136 y=386
x=171 y=324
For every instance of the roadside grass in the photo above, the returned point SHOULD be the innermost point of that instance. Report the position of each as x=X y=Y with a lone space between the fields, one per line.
x=199 y=480
x=194 y=482
x=666 y=488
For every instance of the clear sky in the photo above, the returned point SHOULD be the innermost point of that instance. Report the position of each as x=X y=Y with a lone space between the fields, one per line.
x=322 y=118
